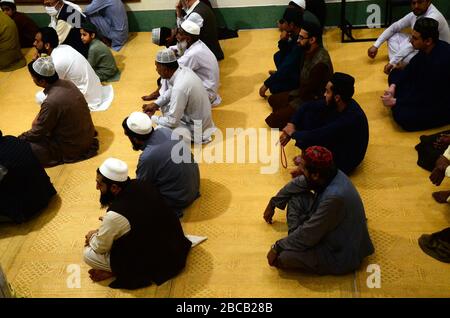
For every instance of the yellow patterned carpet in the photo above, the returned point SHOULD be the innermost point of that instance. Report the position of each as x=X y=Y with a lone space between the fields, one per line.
x=38 y=256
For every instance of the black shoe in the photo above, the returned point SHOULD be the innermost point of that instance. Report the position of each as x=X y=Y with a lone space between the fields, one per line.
x=435 y=247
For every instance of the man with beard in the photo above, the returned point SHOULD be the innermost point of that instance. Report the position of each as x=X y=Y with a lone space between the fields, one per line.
x=315 y=72
x=140 y=240
x=63 y=131
x=327 y=229
x=418 y=95
x=337 y=123
x=202 y=15
x=185 y=106
x=176 y=175
x=400 y=49
x=194 y=54
x=71 y=65
x=288 y=59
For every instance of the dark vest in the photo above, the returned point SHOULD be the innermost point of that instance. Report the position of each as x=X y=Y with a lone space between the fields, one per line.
x=155 y=249
x=208 y=32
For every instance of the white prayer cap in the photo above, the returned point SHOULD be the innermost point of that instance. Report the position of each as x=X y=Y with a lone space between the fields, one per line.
x=166 y=56
x=156 y=35
x=300 y=3
x=139 y=123
x=190 y=27
x=114 y=169
x=197 y=19
x=44 y=66
x=10 y=1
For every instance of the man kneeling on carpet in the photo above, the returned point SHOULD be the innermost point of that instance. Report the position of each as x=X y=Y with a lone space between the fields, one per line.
x=327 y=229
x=140 y=240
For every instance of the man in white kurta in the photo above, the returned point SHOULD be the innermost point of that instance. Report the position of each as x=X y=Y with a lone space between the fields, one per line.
x=199 y=58
x=400 y=48
x=71 y=65
x=193 y=53
x=188 y=106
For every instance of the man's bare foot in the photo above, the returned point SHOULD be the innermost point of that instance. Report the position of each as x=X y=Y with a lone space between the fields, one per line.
x=441 y=196
x=98 y=275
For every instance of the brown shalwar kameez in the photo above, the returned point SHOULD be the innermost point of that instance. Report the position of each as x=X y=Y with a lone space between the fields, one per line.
x=63 y=130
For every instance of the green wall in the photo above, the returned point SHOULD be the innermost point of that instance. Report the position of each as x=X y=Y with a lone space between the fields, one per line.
x=255 y=17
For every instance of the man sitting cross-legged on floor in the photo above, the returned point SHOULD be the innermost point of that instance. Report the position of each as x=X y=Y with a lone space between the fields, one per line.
x=176 y=175
x=336 y=122
x=140 y=240
x=327 y=229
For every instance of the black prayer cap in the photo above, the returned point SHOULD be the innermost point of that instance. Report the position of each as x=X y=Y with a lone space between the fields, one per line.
x=293 y=15
x=343 y=85
x=89 y=27
x=313 y=29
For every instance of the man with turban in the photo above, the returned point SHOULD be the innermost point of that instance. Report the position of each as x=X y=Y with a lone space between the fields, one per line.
x=337 y=123
x=327 y=228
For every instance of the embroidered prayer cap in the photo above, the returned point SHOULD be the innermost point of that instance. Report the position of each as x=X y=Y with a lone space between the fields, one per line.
x=190 y=27
x=114 y=169
x=318 y=156
x=343 y=84
x=160 y=35
x=44 y=66
x=166 y=56
x=300 y=3
x=139 y=123
x=156 y=36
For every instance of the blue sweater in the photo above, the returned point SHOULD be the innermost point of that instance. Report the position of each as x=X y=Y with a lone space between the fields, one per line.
x=345 y=134
x=422 y=98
